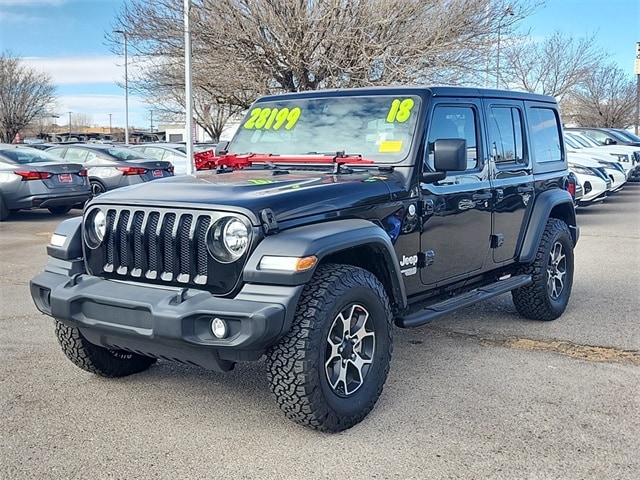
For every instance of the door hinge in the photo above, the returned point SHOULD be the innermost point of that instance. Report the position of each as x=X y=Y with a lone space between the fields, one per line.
x=426 y=258
x=497 y=240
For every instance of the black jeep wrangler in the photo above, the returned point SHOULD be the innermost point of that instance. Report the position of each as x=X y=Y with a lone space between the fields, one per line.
x=330 y=216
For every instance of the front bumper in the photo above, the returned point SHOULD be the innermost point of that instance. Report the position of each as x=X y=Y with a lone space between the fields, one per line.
x=169 y=323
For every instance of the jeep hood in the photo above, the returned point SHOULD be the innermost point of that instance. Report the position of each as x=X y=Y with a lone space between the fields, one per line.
x=288 y=194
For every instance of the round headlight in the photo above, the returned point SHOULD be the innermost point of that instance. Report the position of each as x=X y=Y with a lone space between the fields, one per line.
x=229 y=239
x=95 y=228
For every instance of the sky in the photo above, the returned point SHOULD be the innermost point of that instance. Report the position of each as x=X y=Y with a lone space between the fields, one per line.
x=66 y=40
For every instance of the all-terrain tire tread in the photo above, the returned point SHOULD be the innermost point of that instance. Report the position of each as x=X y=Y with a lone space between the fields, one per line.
x=291 y=369
x=98 y=360
x=532 y=300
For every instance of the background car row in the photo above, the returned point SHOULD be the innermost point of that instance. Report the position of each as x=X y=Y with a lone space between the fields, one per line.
x=603 y=161
x=110 y=167
x=62 y=176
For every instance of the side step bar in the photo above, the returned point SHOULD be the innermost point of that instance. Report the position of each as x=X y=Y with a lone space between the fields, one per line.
x=437 y=310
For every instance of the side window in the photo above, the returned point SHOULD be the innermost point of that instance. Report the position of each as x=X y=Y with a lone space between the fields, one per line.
x=599 y=137
x=545 y=135
x=92 y=155
x=156 y=153
x=58 y=152
x=76 y=155
x=454 y=122
x=505 y=136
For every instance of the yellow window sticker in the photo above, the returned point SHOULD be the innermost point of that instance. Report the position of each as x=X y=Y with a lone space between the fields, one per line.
x=390 y=146
x=272 y=118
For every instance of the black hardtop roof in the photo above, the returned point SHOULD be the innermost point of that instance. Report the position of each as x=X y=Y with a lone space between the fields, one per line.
x=423 y=91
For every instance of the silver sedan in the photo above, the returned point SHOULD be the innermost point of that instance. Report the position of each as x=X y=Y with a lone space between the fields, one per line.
x=31 y=178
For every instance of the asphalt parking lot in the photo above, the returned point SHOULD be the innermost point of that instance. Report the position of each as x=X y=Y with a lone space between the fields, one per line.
x=478 y=394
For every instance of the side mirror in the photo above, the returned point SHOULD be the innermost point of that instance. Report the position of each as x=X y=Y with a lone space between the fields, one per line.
x=610 y=141
x=450 y=155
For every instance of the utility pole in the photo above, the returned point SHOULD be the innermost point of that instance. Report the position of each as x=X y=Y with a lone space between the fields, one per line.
x=508 y=11
x=126 y=88
x=187 y=90
x=637 y=72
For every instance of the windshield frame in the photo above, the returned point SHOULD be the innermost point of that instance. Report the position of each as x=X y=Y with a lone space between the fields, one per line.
x=375 y=126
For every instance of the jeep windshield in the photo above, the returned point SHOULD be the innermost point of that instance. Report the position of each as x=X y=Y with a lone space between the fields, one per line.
x=379 y=128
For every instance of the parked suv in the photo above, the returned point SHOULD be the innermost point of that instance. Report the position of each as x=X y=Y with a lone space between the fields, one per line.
x=330 y=216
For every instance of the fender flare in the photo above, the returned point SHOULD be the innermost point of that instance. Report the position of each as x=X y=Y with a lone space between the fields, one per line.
x=323 y=240
x=552 y=203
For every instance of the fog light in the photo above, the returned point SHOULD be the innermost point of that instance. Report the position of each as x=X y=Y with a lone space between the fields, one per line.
x=219 y=328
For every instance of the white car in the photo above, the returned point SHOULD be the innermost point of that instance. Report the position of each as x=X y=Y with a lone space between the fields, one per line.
x=627 y=155
x=613 y=170
x=595 y=185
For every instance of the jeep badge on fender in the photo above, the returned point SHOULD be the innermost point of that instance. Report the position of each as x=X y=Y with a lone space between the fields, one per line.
x=330 y=217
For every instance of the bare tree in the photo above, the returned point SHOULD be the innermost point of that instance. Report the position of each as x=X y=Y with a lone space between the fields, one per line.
x=552 y=67
x=25 y=94
x=606 y=98
x=81 y=120
x=246 y=48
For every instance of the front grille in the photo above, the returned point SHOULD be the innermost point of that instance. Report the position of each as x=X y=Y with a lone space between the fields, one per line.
x=165 y=246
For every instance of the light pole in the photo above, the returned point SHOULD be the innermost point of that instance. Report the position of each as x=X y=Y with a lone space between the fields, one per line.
x=637 y=72
x=69 y=126
x=110 y=123
x=54 y=129
x=507 y=11
x=187 y=88
x=126 y=89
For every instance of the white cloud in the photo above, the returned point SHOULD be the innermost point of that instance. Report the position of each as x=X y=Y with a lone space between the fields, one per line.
x=79 y=70
x=98 y=107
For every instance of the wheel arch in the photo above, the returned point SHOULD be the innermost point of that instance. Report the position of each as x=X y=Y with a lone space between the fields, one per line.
x=549 y=204
x=354 y=242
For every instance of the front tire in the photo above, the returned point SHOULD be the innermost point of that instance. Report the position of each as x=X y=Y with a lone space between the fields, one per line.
x=99 y=360
x=4 y=210
x=328 y=372
x=547 y=296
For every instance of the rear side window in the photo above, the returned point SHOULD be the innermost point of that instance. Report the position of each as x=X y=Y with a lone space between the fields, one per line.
x=76 y=155
x=545 y=135
x=505 y=135
x=157 y=153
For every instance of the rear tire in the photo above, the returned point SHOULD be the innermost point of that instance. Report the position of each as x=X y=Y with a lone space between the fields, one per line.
x=60 y=210
x=4 y=210
x=328 y=372
x=99 y=360
x=547 y=296
x=97 y=188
